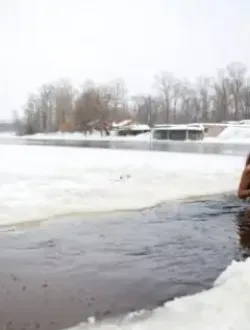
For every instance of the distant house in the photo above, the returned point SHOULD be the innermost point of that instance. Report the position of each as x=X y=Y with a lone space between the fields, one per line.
x=178 y=132
x=128 y=127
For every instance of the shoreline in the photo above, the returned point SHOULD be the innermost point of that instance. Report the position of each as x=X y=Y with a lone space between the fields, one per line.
x=100 y=215
x=200 y=147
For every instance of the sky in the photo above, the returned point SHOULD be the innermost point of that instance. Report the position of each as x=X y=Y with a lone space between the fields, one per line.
x=45 y=40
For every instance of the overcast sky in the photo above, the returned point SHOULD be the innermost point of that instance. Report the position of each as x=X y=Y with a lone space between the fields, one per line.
x=43 y=40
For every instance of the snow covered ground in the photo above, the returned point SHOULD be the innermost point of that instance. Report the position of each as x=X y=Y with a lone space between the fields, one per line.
x=80 y=136
x=233 y=134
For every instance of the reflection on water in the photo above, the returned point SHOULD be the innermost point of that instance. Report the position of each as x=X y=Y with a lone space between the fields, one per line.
x=243 y=229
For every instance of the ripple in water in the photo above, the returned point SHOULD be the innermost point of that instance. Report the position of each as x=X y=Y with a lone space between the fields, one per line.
x=59 y=275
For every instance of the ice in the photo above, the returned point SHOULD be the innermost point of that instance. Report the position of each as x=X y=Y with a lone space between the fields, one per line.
x=39 y=182
x=224 y=307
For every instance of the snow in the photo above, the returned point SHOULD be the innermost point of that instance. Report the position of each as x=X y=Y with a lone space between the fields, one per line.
x=40 y=182
x=122 y=123
x=240 y=134
x=137 y=127
x=181 y=127
x=78 y=136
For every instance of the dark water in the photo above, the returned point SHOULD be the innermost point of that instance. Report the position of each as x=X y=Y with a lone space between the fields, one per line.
x=58 y=274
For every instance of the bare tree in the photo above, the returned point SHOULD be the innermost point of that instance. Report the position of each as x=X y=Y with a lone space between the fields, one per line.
x=221 y=97
x=16 y=120
x=64 y=105
x=31 y=116
x=237 y=72
x=47 y=108
x=95 y=106
x=166 y=83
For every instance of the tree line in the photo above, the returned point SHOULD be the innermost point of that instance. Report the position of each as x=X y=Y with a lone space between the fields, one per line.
x=61 y=107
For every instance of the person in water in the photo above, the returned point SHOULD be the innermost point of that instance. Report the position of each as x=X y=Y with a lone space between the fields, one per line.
x=244 y=186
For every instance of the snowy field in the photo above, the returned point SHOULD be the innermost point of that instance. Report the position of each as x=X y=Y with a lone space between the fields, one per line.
x=42 y=182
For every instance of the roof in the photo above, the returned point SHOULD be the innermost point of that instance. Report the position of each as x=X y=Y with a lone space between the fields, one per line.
x=180 y=128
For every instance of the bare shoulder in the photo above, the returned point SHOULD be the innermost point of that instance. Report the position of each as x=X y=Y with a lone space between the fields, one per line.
x=247 y=170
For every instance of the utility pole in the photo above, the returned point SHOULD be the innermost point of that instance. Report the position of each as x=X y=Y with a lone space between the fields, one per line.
x=149 y=110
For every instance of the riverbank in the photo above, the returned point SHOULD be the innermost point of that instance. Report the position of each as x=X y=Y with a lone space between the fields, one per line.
x=206 y=146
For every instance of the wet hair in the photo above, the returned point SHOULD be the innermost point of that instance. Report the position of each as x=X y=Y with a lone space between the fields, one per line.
x=248 y=160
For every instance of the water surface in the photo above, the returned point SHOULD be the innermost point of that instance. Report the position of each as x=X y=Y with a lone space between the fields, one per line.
x=56 y=275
